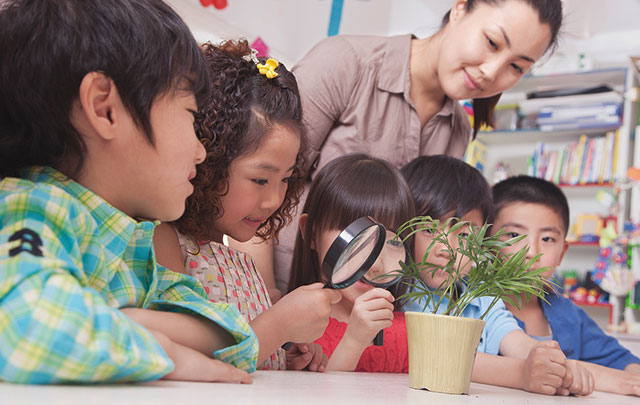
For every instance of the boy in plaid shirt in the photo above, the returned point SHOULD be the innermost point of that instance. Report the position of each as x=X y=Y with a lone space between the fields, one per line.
x=97 y=102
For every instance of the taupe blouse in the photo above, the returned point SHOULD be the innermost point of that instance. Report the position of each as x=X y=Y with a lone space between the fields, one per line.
x=355 y=97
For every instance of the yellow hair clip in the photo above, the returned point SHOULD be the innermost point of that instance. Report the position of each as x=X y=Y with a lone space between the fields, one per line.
x=269 y=68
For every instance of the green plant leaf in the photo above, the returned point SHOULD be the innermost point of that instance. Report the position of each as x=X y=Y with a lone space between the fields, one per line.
x=476 y=261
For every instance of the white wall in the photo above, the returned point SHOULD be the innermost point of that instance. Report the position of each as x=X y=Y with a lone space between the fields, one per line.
x=289 y=27
x=607 y=32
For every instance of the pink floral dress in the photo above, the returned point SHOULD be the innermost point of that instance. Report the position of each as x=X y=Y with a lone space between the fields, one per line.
x=229 y=275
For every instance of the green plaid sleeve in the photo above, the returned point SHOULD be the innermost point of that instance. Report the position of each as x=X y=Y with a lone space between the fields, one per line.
x=184 y=292
x=53 y=326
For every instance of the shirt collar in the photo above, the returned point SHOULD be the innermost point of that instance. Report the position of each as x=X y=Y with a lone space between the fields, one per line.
x=394 y=68
x=122 y=226
x=395 y=74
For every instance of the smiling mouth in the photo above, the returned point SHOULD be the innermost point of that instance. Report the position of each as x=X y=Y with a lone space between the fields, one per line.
x=469 y=82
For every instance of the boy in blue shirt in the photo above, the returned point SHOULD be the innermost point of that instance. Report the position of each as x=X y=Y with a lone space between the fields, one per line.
x=538 y=209
x=97 y=102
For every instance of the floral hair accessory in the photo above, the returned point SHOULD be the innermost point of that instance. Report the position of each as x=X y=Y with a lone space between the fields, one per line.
x=252 y=57
x=269 y=68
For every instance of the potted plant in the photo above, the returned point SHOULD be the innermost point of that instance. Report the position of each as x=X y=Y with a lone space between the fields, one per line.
x=442 y=348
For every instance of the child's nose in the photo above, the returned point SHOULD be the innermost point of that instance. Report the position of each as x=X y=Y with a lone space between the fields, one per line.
x=441 y=250
x=534 y=249
x=201 y=152
x=273 y=198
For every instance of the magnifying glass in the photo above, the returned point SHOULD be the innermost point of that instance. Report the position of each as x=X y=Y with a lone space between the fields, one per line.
x=365 y=250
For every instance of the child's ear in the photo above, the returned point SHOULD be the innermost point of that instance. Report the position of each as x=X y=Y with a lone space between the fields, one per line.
x=302 y=225
x=100 y=103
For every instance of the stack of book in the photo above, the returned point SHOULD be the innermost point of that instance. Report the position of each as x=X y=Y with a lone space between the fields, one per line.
x=586 y=161
x=571 y=112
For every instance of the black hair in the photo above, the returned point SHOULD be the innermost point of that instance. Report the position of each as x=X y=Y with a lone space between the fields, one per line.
x=47 y=47
x=442 y=184
x=528 y=189
x=549 y=12
x=345 y=189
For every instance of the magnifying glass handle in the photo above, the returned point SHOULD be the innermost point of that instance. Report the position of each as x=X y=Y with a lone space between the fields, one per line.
x=379 y=339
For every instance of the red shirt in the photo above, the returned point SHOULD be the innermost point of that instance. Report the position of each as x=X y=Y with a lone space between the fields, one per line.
x=392 y=357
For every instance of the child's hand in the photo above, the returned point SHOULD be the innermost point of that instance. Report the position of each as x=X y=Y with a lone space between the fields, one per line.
x=372 y=312
x=305 y=311
x=545 y=369
x=578 y=380
x=306 y=356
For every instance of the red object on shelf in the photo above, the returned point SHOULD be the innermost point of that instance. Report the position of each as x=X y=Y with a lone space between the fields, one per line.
x=577 y=243
x=597 y=304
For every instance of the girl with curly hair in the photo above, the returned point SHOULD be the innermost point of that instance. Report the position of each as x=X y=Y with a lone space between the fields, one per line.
x=248 y=185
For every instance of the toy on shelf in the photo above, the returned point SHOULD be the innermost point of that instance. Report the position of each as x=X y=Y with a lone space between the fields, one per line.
x=612 y=272
x=579 y=295
x=570 y=282
x=588 y=227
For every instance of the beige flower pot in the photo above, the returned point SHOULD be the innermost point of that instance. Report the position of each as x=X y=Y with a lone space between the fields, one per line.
x=442 y=350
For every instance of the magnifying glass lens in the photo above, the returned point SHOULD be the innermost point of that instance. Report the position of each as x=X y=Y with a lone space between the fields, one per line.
x=354 y=255
x=384 y=271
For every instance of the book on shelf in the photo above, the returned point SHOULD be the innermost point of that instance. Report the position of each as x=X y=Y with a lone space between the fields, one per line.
x=535 y=105
x=476 y=155
x=588 y=165
x=585 y=161
x=580 y=160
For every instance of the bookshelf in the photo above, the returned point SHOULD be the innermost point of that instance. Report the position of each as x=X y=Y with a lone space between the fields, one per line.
x=513 y=147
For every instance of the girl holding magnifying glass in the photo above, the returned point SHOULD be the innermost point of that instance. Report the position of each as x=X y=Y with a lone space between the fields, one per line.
x=348 y=188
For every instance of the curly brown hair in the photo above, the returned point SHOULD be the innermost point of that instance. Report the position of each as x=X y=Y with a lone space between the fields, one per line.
x=243 y=107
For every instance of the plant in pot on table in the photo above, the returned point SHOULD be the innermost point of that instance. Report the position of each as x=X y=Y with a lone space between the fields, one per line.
x=443 y=343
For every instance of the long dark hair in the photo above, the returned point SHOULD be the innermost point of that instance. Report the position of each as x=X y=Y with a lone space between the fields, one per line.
x=549 y=12
x=347 y=188
x=244 y=106
x=442 y=185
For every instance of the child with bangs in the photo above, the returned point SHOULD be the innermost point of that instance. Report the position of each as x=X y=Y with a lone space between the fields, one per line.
x=342 y=192
x=251 y=127
x=97 y=102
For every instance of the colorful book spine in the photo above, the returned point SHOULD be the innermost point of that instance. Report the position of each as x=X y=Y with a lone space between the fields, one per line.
x=580 y=160
x=585 y=171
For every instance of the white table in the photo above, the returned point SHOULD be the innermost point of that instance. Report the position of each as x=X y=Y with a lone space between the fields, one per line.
x=285 y=387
